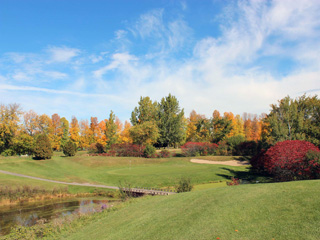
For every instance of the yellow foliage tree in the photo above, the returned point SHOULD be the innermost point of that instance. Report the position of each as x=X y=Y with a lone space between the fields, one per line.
x=75 y=131
x=125 y=133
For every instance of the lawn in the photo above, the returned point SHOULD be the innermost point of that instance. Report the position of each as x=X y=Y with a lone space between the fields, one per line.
x=139 y=172
x=260 y=211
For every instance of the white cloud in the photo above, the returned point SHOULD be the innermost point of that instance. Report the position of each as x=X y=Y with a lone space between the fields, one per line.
x=229 y=72
x=150 y=23
x=48 y=90
x=62 y=54
x=21 y=76
x=54 y=74
x=118 y=59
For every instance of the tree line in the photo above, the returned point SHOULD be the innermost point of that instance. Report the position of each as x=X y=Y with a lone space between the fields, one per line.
x=161 y=124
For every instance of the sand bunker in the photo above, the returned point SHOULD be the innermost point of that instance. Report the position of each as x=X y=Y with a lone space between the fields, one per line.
x=228 y=163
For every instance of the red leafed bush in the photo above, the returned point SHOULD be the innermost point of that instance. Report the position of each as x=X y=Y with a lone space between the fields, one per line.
x=234 y=181
x=290 y=160
x=198 y=149
x=127 y=150
x=164 y=153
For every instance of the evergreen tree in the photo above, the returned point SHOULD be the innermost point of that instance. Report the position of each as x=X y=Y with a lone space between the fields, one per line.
x=69 y=148
x=42 y=149
x=65 y=131
x=111 y=131
x=172 y=127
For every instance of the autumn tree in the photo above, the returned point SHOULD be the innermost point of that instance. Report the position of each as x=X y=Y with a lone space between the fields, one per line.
x=199 y=128
x=101 y=133
x=85 y=134
x=247 y=126
x=94 y=128
x=46 y=126
x=9 y=125
x=75 y=131
x=31 y=122
x=125 y=133
x=221 y=127
x=256 y=129
x=171 y=122
x=23 y=144
x=57 y=131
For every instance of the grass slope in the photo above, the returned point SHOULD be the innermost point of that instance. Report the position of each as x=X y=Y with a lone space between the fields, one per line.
x=262 y=211
x=110 y=170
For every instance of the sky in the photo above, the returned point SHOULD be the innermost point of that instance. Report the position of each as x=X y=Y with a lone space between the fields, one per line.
x=85 y=58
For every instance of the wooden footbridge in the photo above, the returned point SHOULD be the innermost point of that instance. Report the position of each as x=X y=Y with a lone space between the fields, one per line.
x=139 y=191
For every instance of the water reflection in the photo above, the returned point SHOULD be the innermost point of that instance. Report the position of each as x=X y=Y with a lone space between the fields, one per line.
x=29 y=214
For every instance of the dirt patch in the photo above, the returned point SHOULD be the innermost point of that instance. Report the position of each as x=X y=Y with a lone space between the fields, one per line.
x=228 y=163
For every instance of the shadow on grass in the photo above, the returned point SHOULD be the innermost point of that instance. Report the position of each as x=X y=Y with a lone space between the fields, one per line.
x=249 y=176
x=243 y=158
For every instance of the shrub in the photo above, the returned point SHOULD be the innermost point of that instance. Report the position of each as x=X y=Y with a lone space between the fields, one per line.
x=100 y=148
x=191 y=149
x=234 y=182
x=222 y=149
x=233 y=142
x=96 y=148
x=184 y=185
x=290 y=160
x=248 y=148
x=164 y=153
x=42 y=149
x=70 y=148
x=149 y=151
x=127 y=150
x=8 y=152
x=257 y=161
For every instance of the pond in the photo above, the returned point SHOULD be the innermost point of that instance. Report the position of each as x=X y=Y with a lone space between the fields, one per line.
x=29 y=213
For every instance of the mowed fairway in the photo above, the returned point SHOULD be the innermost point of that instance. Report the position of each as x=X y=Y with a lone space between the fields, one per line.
x=139 y=172
x=259 y=211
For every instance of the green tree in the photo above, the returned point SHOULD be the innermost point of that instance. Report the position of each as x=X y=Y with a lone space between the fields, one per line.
x=111 y=131
x=23 y=144
x=145 y=133
x=65 y=131
x=42 y=149
x=171 y=123
x=295 y=119
x=146 y=111
x=70 y=148
x=222 y=126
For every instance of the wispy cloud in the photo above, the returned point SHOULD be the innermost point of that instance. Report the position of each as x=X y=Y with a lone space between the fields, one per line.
x=46 y=90
x=118 y=59
x=62 y=54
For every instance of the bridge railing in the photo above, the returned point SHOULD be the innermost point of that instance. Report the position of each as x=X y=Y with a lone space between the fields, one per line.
x=155 y=189
x=150 y=190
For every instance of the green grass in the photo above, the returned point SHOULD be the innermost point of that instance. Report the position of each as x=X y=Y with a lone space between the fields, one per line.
x=139 y=172
x=13 y=182
x=260 y=211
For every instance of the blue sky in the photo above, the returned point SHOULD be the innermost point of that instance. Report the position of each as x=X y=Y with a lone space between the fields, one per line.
x=85 y=58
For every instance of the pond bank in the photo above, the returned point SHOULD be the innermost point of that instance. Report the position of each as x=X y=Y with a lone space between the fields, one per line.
x=29 y=214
